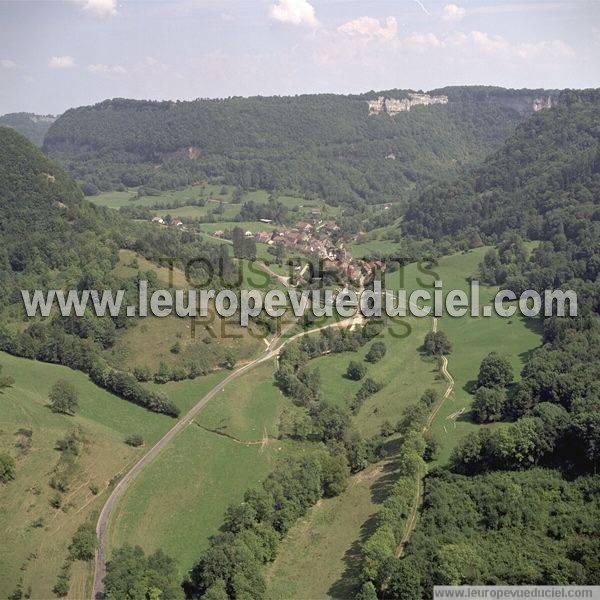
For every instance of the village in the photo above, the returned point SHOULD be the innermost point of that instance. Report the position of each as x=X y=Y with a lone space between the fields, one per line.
x=319 y=241
x=322 y=243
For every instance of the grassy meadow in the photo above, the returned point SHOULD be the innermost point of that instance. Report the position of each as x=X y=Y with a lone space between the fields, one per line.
x=179 y=500
x=35 y=534
x=405 y=373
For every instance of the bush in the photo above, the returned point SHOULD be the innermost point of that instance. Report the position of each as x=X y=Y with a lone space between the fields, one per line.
x=8 y=468
x=134 y=440
x=356 y=371
x=142 y=373
x=63 y=398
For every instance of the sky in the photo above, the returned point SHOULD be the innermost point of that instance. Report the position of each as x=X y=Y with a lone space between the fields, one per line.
x=58 y=54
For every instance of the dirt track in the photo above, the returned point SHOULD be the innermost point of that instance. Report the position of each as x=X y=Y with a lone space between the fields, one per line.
x=414 y=511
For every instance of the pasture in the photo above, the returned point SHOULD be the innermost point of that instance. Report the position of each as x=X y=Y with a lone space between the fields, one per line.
x=180 y=499
x=35 y=534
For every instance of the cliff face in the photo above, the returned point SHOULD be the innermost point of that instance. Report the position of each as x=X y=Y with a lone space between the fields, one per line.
x=541 y=103
x=393 y=106
x=523 y=104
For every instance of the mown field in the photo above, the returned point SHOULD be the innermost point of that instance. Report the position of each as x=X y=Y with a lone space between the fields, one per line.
x=179 y=500
x=405 y=373
x=35 y=536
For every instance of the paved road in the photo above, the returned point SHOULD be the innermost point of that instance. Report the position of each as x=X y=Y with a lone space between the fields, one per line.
x=270 y=352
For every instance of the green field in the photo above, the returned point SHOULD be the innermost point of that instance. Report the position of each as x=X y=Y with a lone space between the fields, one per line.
x=193 y=192
x=319 y=556
x=253 y=226
x=403 y=371
x=472 y=338
x=368 y=249
x=179 y=500
x=299 y=207
x=37 y=553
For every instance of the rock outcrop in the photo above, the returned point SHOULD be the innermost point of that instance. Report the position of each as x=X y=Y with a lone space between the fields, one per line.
x=393 y=106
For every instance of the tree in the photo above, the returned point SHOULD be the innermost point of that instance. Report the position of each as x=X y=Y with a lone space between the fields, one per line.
x=376 y=352
x=402 y=579
x=63 y=398
x=367 y=592
x=7 y=468
x=437 y=343
x=432 y=447
x=356 y=371
x=489 y=404
x=5 y=381
x=495 y=371
x=83 y=546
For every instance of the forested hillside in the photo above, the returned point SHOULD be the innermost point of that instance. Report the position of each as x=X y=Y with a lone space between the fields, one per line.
x=552 y=162
x=327 y=145
x=46 y=224
x=518 y=502
x=33 y=127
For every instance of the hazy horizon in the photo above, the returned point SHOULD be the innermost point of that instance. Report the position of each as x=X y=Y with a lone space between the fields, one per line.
x=62 y=54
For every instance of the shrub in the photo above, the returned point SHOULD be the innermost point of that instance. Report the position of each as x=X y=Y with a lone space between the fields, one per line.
x=356 y=371
x=134 y=440
x=63 y=398
x=7 y=468
x=142 y=373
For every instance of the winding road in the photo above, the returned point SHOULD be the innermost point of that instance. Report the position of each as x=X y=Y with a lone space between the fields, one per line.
x=271 y=351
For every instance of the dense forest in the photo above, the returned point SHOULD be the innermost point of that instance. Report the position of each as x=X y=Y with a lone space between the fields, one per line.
x=518 y=503
x=326 y=144
x=33 y=127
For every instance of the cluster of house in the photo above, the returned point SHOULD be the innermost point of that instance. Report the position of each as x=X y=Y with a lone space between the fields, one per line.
x=171 y=222
x=316 y=241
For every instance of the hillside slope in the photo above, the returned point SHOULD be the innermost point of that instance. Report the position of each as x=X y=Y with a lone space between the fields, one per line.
x=330 y=145
x=30 y=125
x=551 y=162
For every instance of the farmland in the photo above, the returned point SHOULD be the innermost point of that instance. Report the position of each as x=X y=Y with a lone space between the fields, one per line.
x=179 y=500
x=35 y=534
